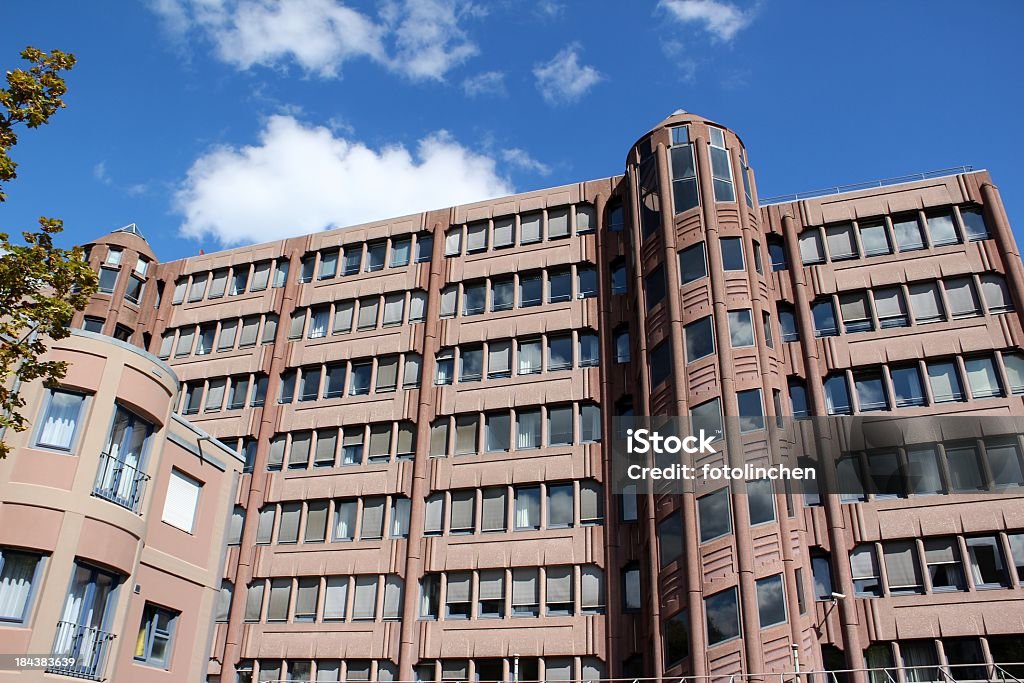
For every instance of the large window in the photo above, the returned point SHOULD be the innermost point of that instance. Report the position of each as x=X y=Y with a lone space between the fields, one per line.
x=722 y=614
x=692 y=264
x=62 y=413
x=700 y=339
x=153 y=645
x=732 y=253
x=714 y=515
x=771 y=601
x=18 y=582
x=721 y=168
x=684 y=172
x=741 y=328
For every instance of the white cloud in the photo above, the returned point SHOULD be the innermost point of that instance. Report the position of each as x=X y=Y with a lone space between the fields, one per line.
x=722 y=20
x=487 y=83
x=99 y=172
x=420 y=39
x=549 y=9
x=520 y=158
x=563 y=79
x=300 y=179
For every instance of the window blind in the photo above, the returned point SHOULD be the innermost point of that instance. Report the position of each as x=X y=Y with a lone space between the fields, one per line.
x=182 y=501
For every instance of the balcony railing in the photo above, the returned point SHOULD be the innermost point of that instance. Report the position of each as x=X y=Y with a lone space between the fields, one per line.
x=120 y=482
x=871 y=184
x=84 y=650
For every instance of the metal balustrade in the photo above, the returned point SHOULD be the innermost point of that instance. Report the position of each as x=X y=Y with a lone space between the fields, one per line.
x=120 y=482
x=868 y=185
x=85 y=649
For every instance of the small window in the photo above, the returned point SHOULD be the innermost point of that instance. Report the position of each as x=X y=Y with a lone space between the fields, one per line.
x=864 y=571
x=1014 y=364
x=359 y=385
x=907 y=387
x=528 y=429
x=559 y=285
x=777 y=253
x=590 y=423
x=453 y=241
x=907 y=230
x=589 y=349
x=560 y=426
x=559 y=352
x=707 y=418
x=529 y=357
x=502 y=294
x=760 y=501
x=700 y=339
x=91 y=324
x=741 y=328
x=988 y=570
x=153 y=645
x=693 y=264
x=474 y=298
x=527 y=508
x=491 y=595
x=856 y=312
x=654 y=287
x=670 y=539
x=108 y=280
x=974 y=223
x=328 y=264
x=375 y=254
x=353 y=260
x=182 y=501
x=890 y=307
x=660 y=363
x=530 y=290
x=558 y=223
x=871 y=394
x=751 y=409
x=471 y=364
x=841 y=242
x=787 y=324
x=945 y=382
x=732 y=253
x=771 y=601
x=560 y=591
x=982 y=377
x=424 y=247
x=622 y=352
x=722 y=615
x=942 y=557
x=837 y=395
x=525 y=592
x=714 y=515
x=925 y=302
x=901 y=568
x=874 y=237
x=824 y=315
x=811 y=249
x=821 y=570
x=307 y=266
x=997 y=296
x=962 y=297
x=586 y=282
x=798 y=399
x=400 y=251
x=941 y=228
x=497 y=430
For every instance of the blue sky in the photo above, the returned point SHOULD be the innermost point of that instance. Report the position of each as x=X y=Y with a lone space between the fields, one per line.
x=214 y=123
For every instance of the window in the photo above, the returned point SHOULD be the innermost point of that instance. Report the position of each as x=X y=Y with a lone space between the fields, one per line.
x=222 y=607
x=91 y=324
x=588 y=349
x=530 y=288
x=474 y=298
x=560 y=505
x=715 y=515
x=445 y=364
x=353 y=259
x=684 y=174
x=424 y=247
x=700 y=340
x=741 y=329
x=309 y=388
x=558 y=223
x=400 y=249
x=326 y=447
x=760 y=501
x=941 y=228
x=962 y=297
x=590 y=423
x=721 y=168
x=334 y=386
x=559 y=591
x=908 y=232
x=497 y=432
x=360 y=382
x=439 y=438
x=1004 y=462
x=560 y=426
x=372 y=523
x=670 y=539
x=528 y=427
x=821 y=571
x=707 y=417
x=855 y=312
x=559 y=285
x=493 y=513
x=1014 y=364
x=906 y=384
x=622 y=351
x=874 y=238
x=375 y=254
x=19 y=578
x=942 y=557
x=824 y=315
x=751 y=409
x=153 y=645
x=269 y=328
x=529 y=357
x=722 y=614
x=1017 y=551
x=586 y=281
x=631 y=600
x=811 y=249
x=964 y=469
x=618 y=276
x=453 y=241
x=837 y=395
x=345 y=520
x=871 y=394
x=692 y=264
x=901 y=569
x=215 y=394
x=864 y=571
x=266 y=524
x=732 y=253
x=777 y=253
x=890 y=307
x=387 y=374
x=787 y=324
x=466 y=434
x=945 y=382
x=288 y=530
x=525 y=592
x=318 y=320
x=417 y=307
x=982 y=377
x=771 y=601
x=997 y=296
x=133 y=292
x=411 y=371
x=368 y=308
x=559 y=352
x=307 y=266
x=798 y=399
x=841 y=242
x=108 y=280
x=122 y=333
x=502 y=294
x=987 y=567
x=182 y=501
x=328 y=264
x=654 y=287
x=60 y=418
x=250 y=325
x=470 y=364
x=527 y=508
x=491 y=594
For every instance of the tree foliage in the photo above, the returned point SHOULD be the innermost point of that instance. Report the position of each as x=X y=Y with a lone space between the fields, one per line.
x=41 y=285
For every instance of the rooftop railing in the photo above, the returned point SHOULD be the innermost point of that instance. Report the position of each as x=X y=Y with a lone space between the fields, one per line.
x=871 y=184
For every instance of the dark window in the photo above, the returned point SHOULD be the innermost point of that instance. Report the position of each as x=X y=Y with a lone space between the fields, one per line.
x=777 y=253
x=654 y=286
x=715 y=515
x=661 y=363
x=771 y=601
x=693 y=264
x=723 y=616
x=732 y=253
x=700 y=339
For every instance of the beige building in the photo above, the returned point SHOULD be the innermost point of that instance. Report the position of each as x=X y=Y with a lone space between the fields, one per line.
x=113 y=515
x=423 y=405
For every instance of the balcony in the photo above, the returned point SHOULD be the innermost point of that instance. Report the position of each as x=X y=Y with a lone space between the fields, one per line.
x=84 y=650
x=120 y=482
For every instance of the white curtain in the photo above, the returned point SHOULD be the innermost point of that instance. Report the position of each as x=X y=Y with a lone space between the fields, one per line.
x=61 y=420
x=15 y=583
x=528 y=431
x=344 y=520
